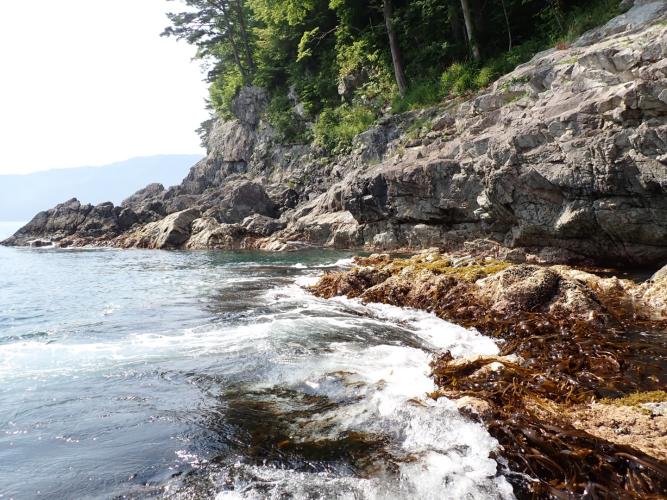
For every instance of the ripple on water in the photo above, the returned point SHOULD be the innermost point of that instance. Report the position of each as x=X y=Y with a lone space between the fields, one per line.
x=215 y=374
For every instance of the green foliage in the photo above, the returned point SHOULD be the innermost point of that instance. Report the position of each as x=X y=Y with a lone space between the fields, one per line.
x=377 y=91
x=312 y=45
x=458 y=79
x=355 y=56
x=509 y=60
x=516 y=80
x=223 y=90
x=418 y=127
x=289 y=126
x=336 y=127
x=305 y=44
x=419 y=94
x=484 y=77
x=587 y=16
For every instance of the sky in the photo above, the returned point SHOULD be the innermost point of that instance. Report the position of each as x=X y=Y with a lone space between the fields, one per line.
x=91 y=82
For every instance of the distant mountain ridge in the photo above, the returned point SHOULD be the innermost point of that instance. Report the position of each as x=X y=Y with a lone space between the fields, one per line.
x=22 y=196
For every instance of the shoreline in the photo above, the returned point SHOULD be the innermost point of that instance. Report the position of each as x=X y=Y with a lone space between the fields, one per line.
x=575 y=397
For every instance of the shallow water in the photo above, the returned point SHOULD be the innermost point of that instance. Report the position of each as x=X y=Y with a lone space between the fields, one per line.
x=203 y=374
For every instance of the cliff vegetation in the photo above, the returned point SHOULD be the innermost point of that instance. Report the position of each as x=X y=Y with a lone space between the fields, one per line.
x=333 y=67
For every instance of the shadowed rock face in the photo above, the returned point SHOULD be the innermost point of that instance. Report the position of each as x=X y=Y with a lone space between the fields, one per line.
x=564 y=159
x=71 y=221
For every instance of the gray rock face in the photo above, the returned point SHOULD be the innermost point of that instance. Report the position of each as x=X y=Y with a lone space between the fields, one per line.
x=567 y=152
x=137 y=200
x=171 y=232
x=236 y=200
x=262 y=225
x=70 y=222
x=564 y=159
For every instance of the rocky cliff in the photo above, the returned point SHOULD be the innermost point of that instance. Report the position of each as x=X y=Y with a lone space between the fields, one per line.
x=564 y=159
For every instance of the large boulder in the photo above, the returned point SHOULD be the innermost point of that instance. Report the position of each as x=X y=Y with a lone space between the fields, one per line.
x=209 y=234
x=236 y=200
x=171 y=232
x=262 y=225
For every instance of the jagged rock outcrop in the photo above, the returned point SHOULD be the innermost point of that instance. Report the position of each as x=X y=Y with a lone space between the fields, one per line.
x=171 y=232
x=564 y=159
x=72 y=222
x=569 y=151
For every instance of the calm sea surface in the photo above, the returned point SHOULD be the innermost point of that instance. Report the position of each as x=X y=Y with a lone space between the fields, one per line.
x=149 y=374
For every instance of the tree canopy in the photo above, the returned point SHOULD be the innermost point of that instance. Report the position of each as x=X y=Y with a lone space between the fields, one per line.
x=381 y=55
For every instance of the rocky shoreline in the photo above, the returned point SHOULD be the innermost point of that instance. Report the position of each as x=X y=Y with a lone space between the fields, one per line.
x=576 y=396
x=562 y=160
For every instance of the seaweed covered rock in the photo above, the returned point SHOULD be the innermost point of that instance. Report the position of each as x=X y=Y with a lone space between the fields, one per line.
x=525 y=288
x=655 y=293
x=567 y=338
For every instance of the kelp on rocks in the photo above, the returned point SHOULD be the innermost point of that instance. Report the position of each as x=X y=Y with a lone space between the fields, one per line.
x=567 y=338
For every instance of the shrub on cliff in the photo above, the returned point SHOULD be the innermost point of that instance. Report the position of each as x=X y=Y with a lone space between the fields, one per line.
x=361 y=56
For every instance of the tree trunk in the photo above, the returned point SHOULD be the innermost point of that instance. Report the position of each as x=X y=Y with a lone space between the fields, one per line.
x=507 y=22
x=470 y=30
x=244 y=36
x=395 y=50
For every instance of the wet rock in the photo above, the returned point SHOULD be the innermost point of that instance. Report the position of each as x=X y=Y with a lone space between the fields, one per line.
x=624 y=425
x=473 y=407
x=40 y=243
x=654 y=294
x=523 y=287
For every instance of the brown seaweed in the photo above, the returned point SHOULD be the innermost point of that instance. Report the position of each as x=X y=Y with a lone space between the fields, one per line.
x=563 y=360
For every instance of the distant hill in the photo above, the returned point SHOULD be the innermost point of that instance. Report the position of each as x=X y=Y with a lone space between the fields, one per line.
x=23 y=196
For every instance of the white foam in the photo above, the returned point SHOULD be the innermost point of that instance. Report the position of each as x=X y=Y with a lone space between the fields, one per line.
x=441 y=334
x=380 y=387
x=34 y=359
x=382 y=390
x=348 y=262
x=306 y=281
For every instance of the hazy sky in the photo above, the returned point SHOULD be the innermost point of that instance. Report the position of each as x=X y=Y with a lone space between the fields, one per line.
x=90 y=82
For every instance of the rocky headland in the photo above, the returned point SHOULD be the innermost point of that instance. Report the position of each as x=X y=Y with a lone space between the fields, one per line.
x=563 y=159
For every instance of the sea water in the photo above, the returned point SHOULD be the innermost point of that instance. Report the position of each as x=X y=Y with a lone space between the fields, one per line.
x=217 y=375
